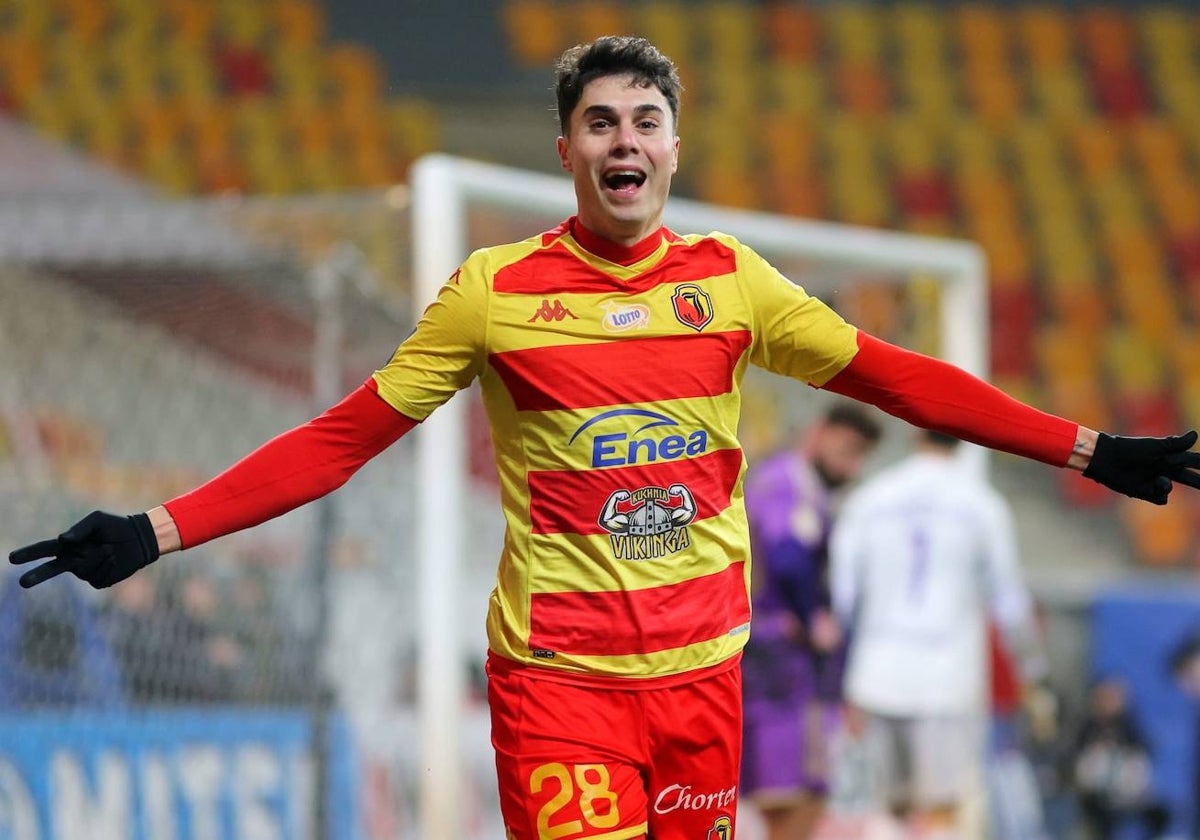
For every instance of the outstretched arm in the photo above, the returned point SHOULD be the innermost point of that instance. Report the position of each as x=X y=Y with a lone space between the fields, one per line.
x=288 y=471
x=930 y=393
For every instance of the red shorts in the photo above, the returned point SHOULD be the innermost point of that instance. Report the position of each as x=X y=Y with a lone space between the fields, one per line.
x=578 y=761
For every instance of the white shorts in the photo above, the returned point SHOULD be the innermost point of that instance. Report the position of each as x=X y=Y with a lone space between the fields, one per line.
x=925 y=762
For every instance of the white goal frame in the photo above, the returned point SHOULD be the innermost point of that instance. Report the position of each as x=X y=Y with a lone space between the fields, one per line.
x=442 y=187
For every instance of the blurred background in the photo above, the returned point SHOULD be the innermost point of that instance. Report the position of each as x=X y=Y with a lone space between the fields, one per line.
x=205 y=239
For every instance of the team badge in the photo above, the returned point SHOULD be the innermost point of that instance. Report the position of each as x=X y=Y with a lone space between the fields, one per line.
x=649 y=522
x=722 y=829
x=692 y=305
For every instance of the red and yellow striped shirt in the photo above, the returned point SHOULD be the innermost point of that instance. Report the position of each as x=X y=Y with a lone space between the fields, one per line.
x=613 y=392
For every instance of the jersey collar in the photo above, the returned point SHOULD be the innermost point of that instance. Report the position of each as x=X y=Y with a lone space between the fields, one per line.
x=611 y=251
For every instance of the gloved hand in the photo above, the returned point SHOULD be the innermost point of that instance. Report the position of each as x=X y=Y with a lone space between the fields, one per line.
x=102 y=549
x=1144 y=467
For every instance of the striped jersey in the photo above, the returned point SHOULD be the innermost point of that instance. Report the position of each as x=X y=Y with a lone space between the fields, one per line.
x=613 y=394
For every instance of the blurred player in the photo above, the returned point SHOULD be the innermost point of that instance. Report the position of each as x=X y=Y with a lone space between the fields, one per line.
x=790 y=673
x=924 y=553
x=610 y=351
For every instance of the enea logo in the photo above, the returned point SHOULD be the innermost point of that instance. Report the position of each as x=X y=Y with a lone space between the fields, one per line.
x=552 y=311
x=619 y=449
x=620 y=317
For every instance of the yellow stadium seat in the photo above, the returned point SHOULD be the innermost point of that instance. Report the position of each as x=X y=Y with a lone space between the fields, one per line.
x=1178 y=204
x=534 y=30
x=855 y=32
x=87 y=20
x=1067 y=356
x=671 y=26
x=1134 y=364
x=354 y=72
x=1097 y=147
x=595 y=18
x=300 y=23
x=973 y=148
x=29 y=18
x=1045 y=36
x=187 y=72
x=789 y=142
x=413 y=127
x=797 y=90
x=920 y=31
x=983 y=33
x=913 y=145
x=731 y=33
x=863 y=90
x=242 y=24
x=299 y=73
x=1163 y=536
x=1169 y=33
x=994 y=95
x=192 y=21
x=1062 y=96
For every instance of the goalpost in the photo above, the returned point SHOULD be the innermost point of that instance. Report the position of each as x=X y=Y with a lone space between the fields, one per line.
x=450 y=197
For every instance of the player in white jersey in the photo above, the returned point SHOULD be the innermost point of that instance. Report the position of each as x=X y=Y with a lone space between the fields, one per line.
x=922 y=554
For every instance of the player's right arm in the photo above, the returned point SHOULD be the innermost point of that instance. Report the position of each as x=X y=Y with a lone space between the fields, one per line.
x=441 y=356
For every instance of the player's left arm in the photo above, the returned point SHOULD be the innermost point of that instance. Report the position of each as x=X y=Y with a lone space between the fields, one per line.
x=933 y=394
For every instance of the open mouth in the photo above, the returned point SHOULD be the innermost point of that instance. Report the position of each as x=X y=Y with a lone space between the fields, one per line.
x=624 y=181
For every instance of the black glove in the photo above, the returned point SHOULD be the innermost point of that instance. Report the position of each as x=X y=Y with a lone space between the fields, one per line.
x=102 y=549
x=1144 y=467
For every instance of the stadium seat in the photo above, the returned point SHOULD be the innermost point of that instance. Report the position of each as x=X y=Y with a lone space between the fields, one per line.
x=797 y=90
x=192 y=21
x=669 y=25
x=23 y=68
x=300 y=24
x=1045 y=34
x=1163 y=536
x=1097 y=148
x=534 y=30
x=854 y=32
x=354 y=73
x=730 y=34
x=792 y=32
x=242 y=25
x=863 y=89
x=592 y=19
x=983 y=33
x=1107 y=37
x=86 y=20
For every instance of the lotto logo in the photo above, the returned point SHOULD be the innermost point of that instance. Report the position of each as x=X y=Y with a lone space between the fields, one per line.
x=553 y=311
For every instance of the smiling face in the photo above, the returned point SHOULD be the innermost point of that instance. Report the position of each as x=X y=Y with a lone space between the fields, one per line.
x=621 y=151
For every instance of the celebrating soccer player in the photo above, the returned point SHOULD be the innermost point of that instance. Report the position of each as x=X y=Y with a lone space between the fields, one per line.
x=621 y=603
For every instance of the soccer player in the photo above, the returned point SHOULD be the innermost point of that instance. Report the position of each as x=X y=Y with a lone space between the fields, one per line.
x=791 y=665
x=610 y=351
x=922 y=555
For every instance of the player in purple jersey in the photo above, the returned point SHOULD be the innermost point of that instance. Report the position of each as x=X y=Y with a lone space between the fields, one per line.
x=791 y=667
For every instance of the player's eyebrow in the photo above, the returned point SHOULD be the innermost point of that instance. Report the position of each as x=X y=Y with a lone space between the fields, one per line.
x=610 y=112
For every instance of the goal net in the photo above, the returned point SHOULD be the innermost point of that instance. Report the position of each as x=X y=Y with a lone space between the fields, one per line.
x=318 y=676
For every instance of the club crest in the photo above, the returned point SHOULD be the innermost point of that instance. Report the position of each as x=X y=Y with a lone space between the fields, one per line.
x=692 y=305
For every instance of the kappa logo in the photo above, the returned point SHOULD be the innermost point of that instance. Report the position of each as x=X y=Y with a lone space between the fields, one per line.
x=649 y=522
x=553 y=312
x=623 y=317
x=693 y=307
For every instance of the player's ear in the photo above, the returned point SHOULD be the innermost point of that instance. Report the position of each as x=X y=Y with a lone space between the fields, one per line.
x=675 y=156
x=563 y=144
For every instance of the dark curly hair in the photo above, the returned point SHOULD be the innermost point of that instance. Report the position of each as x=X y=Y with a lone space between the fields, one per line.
x=613 y=55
